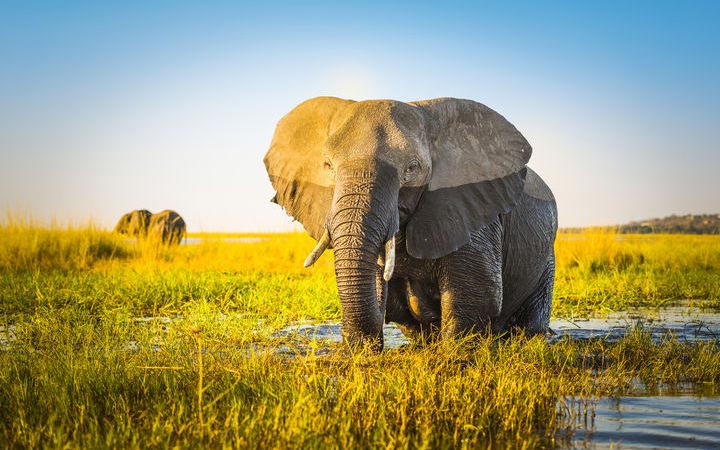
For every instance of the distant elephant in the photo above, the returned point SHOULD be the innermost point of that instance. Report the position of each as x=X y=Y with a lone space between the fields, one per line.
x=436 y=221
x=135 y=223
x=166 y=227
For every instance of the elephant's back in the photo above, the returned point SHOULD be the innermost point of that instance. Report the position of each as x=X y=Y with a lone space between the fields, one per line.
x=536 y=187
x=168 y=216
x=164 y=216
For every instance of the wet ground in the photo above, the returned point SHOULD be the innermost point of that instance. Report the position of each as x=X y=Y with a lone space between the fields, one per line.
x=685 y=323
x=682 y=321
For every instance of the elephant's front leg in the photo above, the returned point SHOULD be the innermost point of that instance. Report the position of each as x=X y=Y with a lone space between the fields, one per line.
x=470 y=281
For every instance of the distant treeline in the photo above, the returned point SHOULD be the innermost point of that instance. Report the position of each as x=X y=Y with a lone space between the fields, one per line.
x=687 y=224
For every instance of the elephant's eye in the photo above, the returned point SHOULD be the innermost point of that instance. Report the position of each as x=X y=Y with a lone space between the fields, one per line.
x=328 y=165
x=412 y=168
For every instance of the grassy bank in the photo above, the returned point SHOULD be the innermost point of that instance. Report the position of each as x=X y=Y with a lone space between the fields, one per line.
x=81 y=371
x=603 y=272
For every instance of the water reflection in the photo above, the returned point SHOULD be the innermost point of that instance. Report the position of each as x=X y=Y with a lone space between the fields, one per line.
x=684 y=421
x=319 y=338
x=685 y=323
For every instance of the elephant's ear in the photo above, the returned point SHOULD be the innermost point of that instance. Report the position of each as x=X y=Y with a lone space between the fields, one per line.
x=296 y=165
x=478 y=172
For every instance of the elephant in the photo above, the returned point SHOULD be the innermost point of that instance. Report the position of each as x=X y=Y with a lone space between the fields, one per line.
x=435 y=219
x=135 y=223
x=166 y=227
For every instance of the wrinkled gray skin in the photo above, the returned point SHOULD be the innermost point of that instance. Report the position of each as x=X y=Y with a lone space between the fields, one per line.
x=502 y=279
x=166 y=227
x=474 y=227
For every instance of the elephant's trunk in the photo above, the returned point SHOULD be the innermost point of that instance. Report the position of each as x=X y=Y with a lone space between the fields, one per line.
x=364 y=217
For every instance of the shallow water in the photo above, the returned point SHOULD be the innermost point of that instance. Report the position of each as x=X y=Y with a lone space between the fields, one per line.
x=311 y=337
x=685 y=323
x=684 y=421
x=7 y=336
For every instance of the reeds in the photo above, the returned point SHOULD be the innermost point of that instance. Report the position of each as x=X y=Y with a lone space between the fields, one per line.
x=72 y=379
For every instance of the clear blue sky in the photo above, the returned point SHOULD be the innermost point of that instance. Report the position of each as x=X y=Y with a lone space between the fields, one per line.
x=111 y=106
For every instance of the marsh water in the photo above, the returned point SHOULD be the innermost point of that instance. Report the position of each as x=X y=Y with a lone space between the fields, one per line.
x=682 y=321
x=674 y=420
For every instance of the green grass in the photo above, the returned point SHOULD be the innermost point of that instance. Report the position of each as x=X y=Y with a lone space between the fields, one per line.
x=82 y=372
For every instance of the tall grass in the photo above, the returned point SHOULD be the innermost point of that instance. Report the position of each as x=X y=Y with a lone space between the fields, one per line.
x=81 y=369
x=70 y=379
x=596 y=272
x=25 y=246
x=599 y=272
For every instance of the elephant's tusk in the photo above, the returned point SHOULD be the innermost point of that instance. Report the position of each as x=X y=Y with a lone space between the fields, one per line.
x=321 y=246
x=389 y=258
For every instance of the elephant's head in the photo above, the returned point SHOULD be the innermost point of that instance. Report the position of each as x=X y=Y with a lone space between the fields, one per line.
x=354 y=173
x=134 y=223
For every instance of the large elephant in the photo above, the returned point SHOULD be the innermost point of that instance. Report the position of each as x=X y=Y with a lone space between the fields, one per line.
x=436 y=222
x=166 y=227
